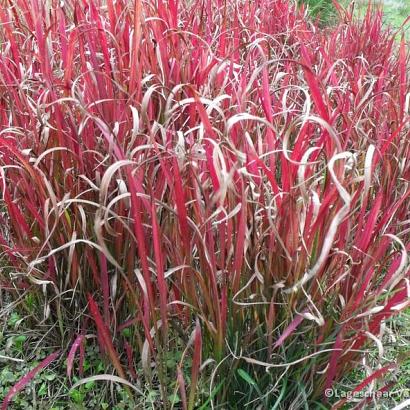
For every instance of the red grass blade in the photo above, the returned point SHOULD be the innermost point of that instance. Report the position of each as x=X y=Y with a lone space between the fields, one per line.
x=159 y=263
x=289 y=330
x=105 y=336
x=374 y=376
x=182 y=388
x=27 y=379
x=71 y=355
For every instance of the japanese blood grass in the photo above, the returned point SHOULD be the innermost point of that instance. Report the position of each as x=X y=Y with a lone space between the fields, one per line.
x=220 y=182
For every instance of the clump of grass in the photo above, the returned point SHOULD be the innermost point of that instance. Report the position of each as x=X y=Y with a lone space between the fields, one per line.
x=206 y=184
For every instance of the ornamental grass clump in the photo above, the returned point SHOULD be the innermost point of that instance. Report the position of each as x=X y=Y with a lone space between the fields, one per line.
x=218 y=191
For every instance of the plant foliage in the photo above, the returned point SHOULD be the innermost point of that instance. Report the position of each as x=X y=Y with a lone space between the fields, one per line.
x=218 y=191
